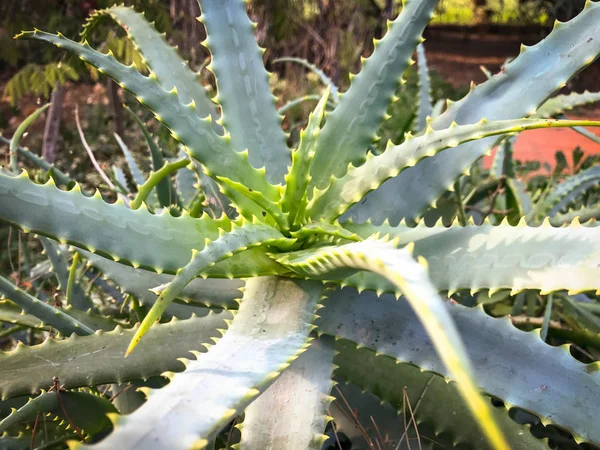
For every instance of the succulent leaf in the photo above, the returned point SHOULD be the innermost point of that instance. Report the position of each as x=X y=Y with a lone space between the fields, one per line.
x=497 y=257
x=170 y=70
x=208 y=293
x=524 y=84
x=135 y=237
x=561 y=103
x=410 y=278
x=50 y=315
x=362 y=108
x=351 y=188
x=248 y=107
x=297 y=180
x=224 y=247
x=269 y=332
x=433 y=400
x=60 y=177
x=76 y=362
x=87 y=411
x=135 y=171
x=564 y=193
x=552 y=384
x=59 y=267
x=213 y=151
x=164 y=190
x=19 y=132
x=425 y=107
x=293 y=412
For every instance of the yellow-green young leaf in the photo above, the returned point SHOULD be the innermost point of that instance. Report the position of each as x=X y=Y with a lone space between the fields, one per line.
x=359 y=181
x=235 y=241
x=410 y=278
x=296 y=181
x=21 y=129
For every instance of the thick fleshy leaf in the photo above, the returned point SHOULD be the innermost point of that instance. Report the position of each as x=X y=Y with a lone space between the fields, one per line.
x=135 y=171
x=59 y=267
x=19 y=132
x=362 y=108
x=170 y=70
x=224 y=247
x=164 y=190
x=498 y=257
x=564 y=193
x=59 y=176
x=583 y=215
x=209 y=292
x=87 y=411
x=551 y=383
x=48 y=314
x=269 y=331
x=248 y=107
x=561 y=103
x=10 y=312
x=296 y=181
x=293 y=412
x=524 y=84
x=202 y=142
x=136 y=237
x=351 y=188
x=425 y=107
x=382 y=397
x=98 y=359
x=410 y=278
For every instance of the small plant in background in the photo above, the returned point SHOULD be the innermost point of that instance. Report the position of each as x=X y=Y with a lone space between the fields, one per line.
x=289 y=270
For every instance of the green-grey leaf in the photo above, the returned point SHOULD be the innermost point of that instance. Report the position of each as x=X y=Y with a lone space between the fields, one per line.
x=358 y=181
x=213 y=151
x=424 y=107
x=46 y=313
x=248 y=107
x=98 y=359
x=293 y=412
x=525 y=84
x=433 y=400
x=137 y=237
x=270 y=329
x=138 y=282
x=134 y=169
x=59 y=267
x=53 y=171
x=87 y=411
x=224 y=247
x=498 y=257
x=362 y=108
x=410 y=278
x=164 y=61
x=552 y=384
x=563 y=193
x=164 y=190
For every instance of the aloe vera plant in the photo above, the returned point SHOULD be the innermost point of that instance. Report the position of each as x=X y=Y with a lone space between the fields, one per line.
x=318 y=250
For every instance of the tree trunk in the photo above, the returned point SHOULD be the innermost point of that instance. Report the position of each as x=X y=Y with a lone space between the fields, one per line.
x=116 y=107
x=51 y=130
